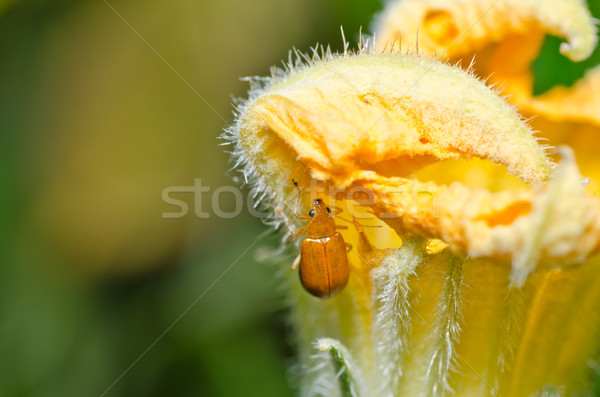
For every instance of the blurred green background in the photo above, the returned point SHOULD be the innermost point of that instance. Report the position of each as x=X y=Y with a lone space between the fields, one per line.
x=94 y=126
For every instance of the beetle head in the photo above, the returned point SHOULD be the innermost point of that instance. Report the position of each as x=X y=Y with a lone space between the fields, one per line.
x=319 y=208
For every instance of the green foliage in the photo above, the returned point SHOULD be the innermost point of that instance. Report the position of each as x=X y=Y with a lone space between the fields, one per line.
x=71 y=73
x=551 y=68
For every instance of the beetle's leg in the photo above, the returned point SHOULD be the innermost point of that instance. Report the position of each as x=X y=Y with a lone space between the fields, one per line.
x=294 y=233
x=355 y=223
x=296 y=263
x=341 y=227
x=299 y=215
x=348 y=247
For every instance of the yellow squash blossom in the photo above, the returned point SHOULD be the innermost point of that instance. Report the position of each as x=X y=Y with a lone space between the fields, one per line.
x=499 y=39
x=482 y=278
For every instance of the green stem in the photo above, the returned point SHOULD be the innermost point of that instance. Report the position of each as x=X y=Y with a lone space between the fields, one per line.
x=341 y=365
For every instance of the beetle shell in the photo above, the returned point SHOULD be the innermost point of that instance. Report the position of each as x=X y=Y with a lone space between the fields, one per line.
x=324 y=269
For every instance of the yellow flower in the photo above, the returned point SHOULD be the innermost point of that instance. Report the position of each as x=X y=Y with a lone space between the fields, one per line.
x=481 y=279
x=501 y=38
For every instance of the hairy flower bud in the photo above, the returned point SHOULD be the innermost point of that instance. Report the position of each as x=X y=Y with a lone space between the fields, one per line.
x=462 y=300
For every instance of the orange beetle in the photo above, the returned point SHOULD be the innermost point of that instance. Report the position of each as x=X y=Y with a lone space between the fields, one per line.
x=324 y=269
x=323 y=259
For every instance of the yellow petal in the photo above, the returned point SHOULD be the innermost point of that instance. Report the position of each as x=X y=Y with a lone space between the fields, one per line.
x=458 y=28
x=570 y=116
x=504 y=36
x=556 y=223
x=581 y=102
x=351 y=117
x=430 y=316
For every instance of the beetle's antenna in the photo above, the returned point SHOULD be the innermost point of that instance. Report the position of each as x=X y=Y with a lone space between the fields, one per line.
x=298 y=215
x=297 y=187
